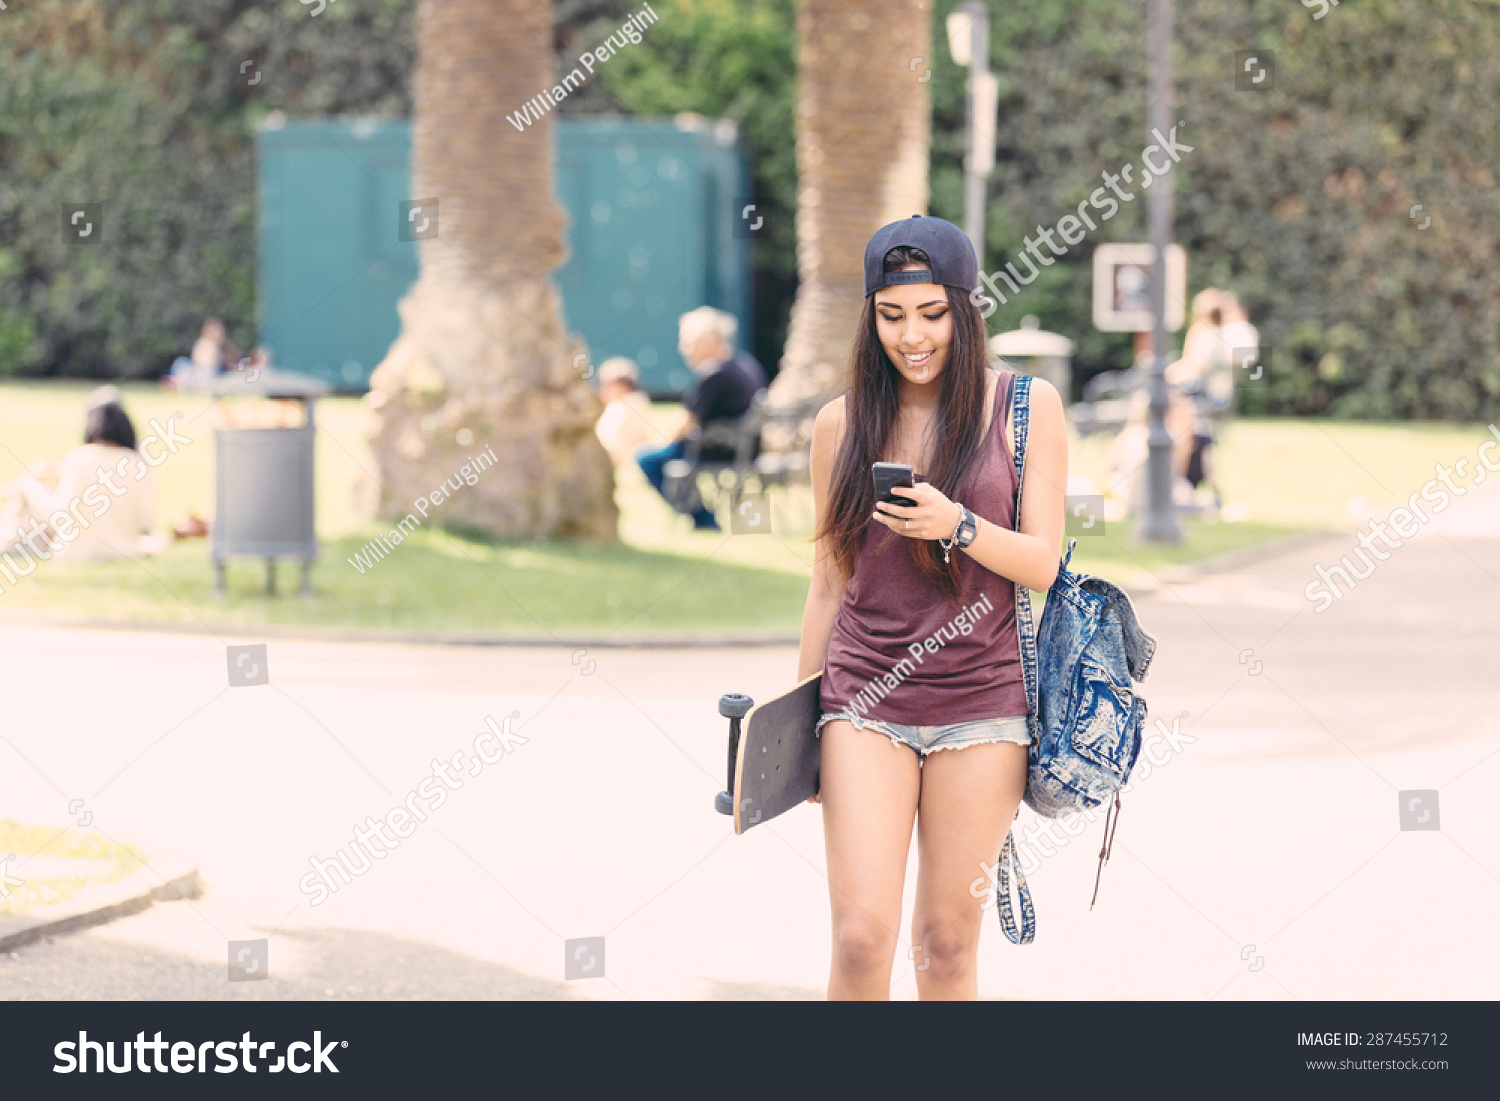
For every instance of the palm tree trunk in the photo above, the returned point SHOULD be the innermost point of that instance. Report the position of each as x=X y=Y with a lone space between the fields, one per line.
x=863 y=130
x=483 y=359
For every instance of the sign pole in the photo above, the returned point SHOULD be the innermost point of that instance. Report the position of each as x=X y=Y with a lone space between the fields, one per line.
x=982 y=103
x=1160 y=522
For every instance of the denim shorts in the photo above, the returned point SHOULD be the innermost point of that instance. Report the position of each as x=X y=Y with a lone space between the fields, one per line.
x=926 y=739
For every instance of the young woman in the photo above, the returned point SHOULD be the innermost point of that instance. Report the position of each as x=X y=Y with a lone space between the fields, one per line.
x=911 y=613
x=105 y=491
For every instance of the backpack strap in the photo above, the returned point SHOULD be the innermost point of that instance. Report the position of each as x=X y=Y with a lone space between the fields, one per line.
x=1007 y=864
x=1020 y=413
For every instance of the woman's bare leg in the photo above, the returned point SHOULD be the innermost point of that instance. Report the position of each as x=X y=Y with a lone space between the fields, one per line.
x=1180 y=416
x=968 y=799
x=869 y=796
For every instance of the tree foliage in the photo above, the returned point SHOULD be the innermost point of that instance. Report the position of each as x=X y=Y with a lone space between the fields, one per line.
x=1300 y=198
x=145 y=108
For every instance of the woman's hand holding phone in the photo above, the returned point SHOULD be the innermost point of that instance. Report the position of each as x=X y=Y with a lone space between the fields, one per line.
x=929 y=516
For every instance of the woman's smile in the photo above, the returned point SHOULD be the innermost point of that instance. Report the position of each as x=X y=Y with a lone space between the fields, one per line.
x=915 y=325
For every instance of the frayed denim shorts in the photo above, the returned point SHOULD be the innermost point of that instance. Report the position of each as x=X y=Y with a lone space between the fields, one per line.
x=927 y=739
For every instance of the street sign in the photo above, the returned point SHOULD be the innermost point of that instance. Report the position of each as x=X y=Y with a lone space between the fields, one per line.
x=1122 y=288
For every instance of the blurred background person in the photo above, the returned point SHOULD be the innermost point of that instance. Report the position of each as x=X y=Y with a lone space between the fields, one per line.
x=624 y=427
x=1219 y=342
x=1204 y=355
x=118 y=484
x=1239 y=336
x=253 y=364
x=1203 y=344
x=211 y=356
x=728 y=381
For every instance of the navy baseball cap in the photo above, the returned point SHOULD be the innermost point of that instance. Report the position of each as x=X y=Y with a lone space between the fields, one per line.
x=947 y=247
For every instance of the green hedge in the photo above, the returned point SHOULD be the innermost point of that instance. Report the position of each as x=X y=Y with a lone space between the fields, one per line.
x=143 y=107
x=1297 y=198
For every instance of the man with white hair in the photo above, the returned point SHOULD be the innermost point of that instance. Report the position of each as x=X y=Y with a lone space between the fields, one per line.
x=727 y=383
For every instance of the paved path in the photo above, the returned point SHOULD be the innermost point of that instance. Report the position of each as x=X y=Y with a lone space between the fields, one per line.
x=1275 y=827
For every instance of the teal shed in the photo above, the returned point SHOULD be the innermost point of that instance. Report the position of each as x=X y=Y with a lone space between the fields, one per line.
x=651 y=205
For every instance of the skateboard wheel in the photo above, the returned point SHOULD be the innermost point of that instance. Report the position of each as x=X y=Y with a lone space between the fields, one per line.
x=735 y=706
x=724 y=803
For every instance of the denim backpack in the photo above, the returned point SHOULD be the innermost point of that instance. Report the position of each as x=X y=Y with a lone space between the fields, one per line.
x=1085 y=718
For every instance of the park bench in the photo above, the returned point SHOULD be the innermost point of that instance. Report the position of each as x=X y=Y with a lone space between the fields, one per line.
x=685 y=480
x=1106 y=402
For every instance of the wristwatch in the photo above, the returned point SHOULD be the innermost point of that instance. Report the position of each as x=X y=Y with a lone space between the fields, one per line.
x=966 y=531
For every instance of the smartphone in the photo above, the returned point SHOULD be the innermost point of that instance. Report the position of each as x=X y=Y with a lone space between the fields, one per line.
x=888 y=475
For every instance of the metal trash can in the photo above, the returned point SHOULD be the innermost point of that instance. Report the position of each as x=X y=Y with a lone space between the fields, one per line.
x=1034 y=351
x=263 y=481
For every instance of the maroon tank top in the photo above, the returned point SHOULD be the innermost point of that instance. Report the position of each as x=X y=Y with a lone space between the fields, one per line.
x=901 y=652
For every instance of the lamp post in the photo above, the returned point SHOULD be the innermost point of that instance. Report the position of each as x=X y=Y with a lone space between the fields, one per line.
x=1160 y=522
x=969 y=43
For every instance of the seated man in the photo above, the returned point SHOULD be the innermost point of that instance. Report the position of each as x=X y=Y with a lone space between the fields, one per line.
x=727 y=384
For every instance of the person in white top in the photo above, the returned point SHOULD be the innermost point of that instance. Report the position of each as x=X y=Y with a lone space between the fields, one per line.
x=1219 y=342
x=625 y=425
x=1241 y=342
x=102 y=507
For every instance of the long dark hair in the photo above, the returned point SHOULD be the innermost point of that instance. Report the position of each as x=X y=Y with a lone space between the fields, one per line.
x=108 y=423
x=872 y=404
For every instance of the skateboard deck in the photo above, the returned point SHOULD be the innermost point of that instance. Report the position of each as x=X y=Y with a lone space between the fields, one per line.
x=776 y=760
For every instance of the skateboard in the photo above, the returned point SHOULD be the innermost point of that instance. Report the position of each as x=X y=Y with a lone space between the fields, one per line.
x=773 y=754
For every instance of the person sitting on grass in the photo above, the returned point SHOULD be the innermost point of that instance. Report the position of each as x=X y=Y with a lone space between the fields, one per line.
x=212 y=355
x=727 y=384
x=103 y=504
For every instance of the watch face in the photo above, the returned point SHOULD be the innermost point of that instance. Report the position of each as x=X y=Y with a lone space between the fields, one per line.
x=967 y=530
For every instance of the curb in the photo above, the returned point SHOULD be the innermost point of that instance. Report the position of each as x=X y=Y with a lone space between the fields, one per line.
x=95 y=906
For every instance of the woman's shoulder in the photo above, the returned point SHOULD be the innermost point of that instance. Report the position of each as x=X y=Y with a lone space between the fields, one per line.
x=829 y=423
x=1044 y=405
x=1043 y=393
x=832 y=411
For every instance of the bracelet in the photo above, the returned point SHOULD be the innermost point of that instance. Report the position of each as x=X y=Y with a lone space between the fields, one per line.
x=947 y=544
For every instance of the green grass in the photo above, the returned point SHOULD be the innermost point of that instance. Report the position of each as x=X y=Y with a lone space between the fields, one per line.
x=119 y=861
x=662 y=578
x=437 y=581
x=1305 y=473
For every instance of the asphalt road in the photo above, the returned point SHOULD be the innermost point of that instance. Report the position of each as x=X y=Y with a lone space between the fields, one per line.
x=1261 y=857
